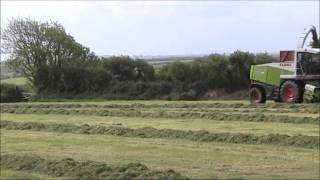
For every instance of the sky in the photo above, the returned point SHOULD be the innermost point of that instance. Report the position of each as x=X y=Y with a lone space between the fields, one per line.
x=172 y=27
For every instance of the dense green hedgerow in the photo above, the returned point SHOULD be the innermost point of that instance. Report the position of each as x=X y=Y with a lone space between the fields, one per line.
x=149 y=132
x=71 y=169
x=10 y=93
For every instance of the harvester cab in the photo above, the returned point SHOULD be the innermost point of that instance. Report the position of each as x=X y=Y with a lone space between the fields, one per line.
x=286 y=81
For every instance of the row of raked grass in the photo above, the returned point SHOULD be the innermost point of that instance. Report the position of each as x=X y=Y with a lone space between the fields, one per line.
x=274 y=107
x=10 y=174
x=150 y=132
x=73 y=170
x=191 y=158
x=169 y=123
x=174 y=137
x=214 y=115
x=291 y=112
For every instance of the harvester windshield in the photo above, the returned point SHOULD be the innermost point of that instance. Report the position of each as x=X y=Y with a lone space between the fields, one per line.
x=308 y=63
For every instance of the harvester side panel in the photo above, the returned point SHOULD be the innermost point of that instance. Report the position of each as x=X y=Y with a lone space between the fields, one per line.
x=267 y=74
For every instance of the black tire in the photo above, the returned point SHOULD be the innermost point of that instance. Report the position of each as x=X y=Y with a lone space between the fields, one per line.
x=290 y=92
x=257 y=95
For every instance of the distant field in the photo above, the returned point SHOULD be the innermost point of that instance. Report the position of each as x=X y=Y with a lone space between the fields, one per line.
x=15 y=81
x=157 y=64
x=198 y=139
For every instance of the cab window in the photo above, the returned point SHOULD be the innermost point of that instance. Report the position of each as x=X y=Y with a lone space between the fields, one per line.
x=308 y=63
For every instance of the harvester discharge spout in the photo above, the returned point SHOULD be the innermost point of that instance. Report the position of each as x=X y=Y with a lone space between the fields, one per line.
x=305 y=34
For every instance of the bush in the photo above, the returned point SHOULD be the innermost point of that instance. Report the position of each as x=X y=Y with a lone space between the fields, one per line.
x=216 y=71
x=124 y=78
x=123 y=68
x=10 y=93
x=139 y=90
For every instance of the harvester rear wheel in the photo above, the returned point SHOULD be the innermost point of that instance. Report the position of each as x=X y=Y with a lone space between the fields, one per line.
x=290 y=92
x=257 y=95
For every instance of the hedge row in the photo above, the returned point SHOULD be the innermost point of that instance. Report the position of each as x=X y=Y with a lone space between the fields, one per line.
x=213 y=115
x=149 y=132
x=10 y=93
x=71 y=169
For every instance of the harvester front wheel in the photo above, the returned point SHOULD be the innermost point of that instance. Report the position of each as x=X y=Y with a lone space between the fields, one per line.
x=289 y=92
x=257 y=95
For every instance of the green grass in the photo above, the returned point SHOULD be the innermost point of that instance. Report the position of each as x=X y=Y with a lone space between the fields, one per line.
x=240 y=105
x=8 y=174
x=191 y=158
x=16 y=81
x=166 y=123
x=150 y=132
x=68 y=168
x=194 y=159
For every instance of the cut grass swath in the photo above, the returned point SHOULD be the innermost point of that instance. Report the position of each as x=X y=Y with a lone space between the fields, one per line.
x=149 y=132
x=72 y=169
x=218 y=116
x=277 y=107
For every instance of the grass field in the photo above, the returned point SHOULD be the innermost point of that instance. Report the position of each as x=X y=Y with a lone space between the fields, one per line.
x=13 y=174
x=177 y=139
x=16 y=81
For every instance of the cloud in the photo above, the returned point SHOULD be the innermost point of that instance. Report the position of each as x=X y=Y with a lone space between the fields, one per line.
x=174 y=27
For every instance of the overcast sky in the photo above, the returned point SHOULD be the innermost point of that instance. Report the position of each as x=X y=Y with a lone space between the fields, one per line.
x=171 y=28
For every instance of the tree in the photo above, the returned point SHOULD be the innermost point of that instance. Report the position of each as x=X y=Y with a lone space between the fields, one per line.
x=42 y=49
x=143 y=71
x=241 y=62
x=121 y=67
x=262 y=58
x=176 y=71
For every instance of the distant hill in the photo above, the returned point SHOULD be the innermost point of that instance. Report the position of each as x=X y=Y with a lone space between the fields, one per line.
x=161 y=57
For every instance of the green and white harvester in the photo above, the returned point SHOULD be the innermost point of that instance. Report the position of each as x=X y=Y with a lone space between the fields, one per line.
x=294 y=79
